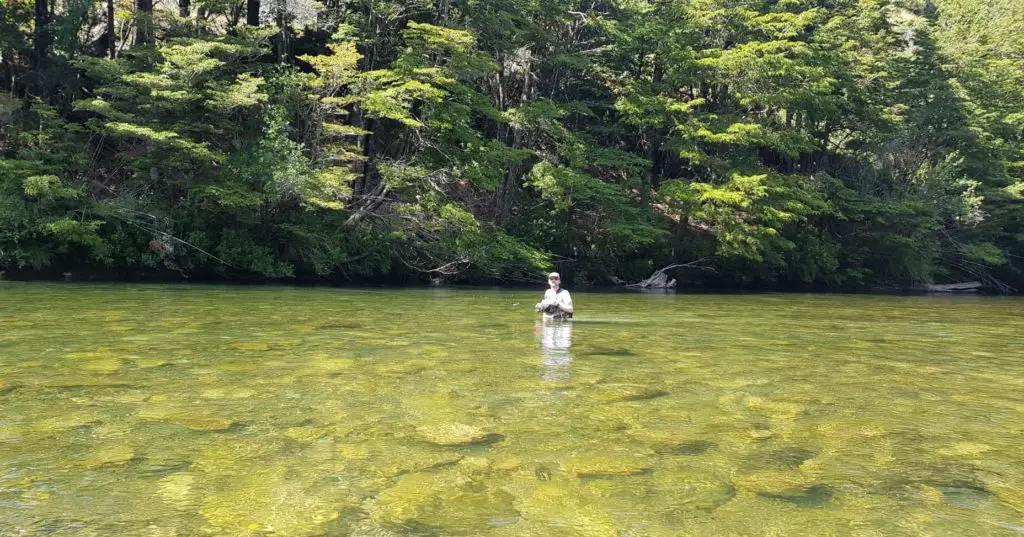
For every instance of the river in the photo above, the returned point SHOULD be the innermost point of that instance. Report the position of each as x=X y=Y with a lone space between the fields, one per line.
x=184 y=410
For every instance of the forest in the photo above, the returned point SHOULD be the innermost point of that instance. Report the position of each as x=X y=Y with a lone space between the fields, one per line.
x=758 y=144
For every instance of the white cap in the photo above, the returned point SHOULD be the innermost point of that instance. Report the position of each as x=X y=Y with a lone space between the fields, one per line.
x=554 y=275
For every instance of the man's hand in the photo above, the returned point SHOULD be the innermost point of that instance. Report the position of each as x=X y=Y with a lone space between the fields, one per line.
x=548 y=305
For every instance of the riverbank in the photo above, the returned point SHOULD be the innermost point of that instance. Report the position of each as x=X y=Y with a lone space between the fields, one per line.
x=540 y=284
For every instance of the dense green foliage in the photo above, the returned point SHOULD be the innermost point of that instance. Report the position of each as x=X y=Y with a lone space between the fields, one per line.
x=783 y=143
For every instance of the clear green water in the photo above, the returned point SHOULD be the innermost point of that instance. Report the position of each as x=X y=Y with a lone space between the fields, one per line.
x=186 y=410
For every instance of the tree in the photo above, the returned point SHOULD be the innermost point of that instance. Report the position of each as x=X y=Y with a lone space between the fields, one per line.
x=111 y=34
x=143 y=22
x=252 y=12
x=43 y=30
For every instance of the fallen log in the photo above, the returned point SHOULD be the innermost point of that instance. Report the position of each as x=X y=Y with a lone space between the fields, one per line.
x=660 y=280
x=964 y=287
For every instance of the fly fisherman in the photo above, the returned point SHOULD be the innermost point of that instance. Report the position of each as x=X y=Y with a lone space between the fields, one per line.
x=557 y=304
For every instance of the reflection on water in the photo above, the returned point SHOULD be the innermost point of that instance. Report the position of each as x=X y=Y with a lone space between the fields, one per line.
x=182 y=411
x=555 y=354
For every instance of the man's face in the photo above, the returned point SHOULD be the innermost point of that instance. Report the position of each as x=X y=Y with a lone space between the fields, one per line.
x=554 y=282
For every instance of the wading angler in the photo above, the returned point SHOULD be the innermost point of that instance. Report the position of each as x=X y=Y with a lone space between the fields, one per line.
x=557 y=303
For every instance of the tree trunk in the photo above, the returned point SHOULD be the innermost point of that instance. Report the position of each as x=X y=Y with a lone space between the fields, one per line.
x=509 y=186
x=507 y=192
x=652 y=142
x=41 y=43
x=111 y=30
x=281 y=18
x=5 y=69
x=442 y=8
x=367 y=182
x=252 y=12
x=184 y=8
x=144 y=22
x=650 y=149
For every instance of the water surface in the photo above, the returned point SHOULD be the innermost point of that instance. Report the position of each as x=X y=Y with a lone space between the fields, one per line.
x=173 y=411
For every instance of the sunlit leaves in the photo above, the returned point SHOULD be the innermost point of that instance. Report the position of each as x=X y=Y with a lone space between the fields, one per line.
x=747 y=213
x=168 y=139
x=49 y=186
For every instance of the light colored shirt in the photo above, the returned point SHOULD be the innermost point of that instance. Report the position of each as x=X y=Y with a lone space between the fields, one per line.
x=561 y=298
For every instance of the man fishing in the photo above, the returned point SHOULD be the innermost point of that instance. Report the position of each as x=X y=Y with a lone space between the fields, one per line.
x=557 y=304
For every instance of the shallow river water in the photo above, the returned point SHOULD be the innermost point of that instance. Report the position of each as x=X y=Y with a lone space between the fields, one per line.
x=174 y=411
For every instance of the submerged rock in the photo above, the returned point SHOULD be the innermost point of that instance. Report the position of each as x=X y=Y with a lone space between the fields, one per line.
x=388 y=460
x=777 y=409
x=400 y=368
x=71 y=420
x=671 y=441
x=965 y=449
x=813 y=496
x=202 y=423
x=1009 y=494
x=369 y=528
x=789 y=457
x=116 y=455
x=614 y=393
x=966 y=495
x=307 y=434
x=147 y=363
x=103 y=366
x=100 y=353
x=250 y=346
x=111 y=430
x=474 y=466
x=196 y=421
x=228 y=392
x=564 y=509
x=607 y=466
x=456 y=434
x=689 y=489
x=692 y=447
x=87 y=381
x=310 y=433
x=329 y=364
x=449 y=503
x=233 y=458
x=176 y=490
x=267 y=503
x=354 y=452
x=773 y=482
x=507 y=463
x=926 y=494
x=794 y=486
